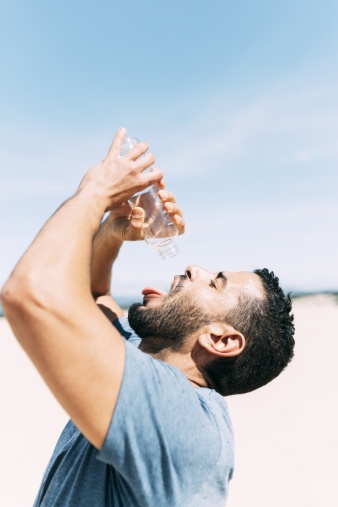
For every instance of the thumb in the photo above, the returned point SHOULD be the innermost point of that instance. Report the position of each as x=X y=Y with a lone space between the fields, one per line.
x=136 y=222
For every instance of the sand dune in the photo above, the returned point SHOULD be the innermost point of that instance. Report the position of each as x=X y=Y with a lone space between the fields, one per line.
x=286 y=433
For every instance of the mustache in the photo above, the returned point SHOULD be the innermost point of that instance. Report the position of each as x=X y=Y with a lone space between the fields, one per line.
x=179 y=285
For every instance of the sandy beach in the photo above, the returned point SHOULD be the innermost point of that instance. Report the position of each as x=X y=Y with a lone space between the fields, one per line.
x=286 y=433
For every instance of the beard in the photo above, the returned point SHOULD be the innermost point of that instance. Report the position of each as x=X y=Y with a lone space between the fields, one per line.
x=167 y=326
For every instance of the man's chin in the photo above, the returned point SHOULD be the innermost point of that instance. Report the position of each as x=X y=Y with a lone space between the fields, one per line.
x=152 y=300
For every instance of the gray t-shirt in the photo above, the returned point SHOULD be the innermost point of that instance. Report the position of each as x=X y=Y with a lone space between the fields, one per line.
x=168 y=445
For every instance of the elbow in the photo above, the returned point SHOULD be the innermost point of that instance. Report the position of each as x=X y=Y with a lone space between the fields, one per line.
x=17 y=297
x=22 y=308
x=27 y=296
x=11 y=297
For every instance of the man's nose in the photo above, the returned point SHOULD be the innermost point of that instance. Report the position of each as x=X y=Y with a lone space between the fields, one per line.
x=196 y=273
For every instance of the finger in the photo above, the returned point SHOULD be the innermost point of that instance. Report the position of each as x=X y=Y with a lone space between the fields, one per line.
x=172 y=208
x=180 y=223
x=161 y=184
x=137 y=151
x=151 y=178
x=166 y=196
x=136 y=223
x=145 y=162
x=116 y=145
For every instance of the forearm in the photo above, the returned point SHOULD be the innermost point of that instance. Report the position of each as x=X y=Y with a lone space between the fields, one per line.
x=106 y=248
x=121 y=224
x=55 y=268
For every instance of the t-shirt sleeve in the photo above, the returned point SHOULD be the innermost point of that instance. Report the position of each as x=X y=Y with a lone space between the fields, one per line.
x=123 y=327
x=162 y=439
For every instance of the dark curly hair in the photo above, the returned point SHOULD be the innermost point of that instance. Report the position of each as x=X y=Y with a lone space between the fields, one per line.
x=268 y=328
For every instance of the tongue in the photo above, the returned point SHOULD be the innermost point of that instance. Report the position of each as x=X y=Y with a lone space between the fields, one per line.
x=153 y=292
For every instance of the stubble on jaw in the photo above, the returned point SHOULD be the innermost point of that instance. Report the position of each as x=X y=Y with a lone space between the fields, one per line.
x=165 y=328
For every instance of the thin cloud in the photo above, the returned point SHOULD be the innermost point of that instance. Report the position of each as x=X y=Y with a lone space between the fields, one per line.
x=289 y=124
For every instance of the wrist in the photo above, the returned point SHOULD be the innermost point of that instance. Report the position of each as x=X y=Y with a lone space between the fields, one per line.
x=111 y=236
x=92 y=198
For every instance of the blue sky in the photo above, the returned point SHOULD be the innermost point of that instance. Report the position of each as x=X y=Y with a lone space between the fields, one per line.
x=238 y=100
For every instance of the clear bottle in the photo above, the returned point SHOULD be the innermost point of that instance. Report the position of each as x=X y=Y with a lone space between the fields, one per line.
x=159 y=232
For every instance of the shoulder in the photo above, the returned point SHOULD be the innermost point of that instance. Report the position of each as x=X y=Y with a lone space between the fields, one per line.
x=215 y=406
x=164 y=432
x=165 y=408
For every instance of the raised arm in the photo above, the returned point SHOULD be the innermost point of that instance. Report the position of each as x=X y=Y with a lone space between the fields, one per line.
x=48 y=300
x=121 y=225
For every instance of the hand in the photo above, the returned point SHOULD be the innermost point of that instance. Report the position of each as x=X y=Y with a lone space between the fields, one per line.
x=115 y=179
x=127 y=225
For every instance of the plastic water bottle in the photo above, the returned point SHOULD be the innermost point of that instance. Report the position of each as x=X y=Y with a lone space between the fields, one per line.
x=159 y=231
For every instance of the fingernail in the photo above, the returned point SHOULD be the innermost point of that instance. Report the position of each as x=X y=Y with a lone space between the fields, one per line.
x=163 y=194
x=136 y=213
x=122 y=130
x=170 y=206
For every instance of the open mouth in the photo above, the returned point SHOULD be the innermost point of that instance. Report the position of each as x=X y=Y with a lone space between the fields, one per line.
x=153 y=293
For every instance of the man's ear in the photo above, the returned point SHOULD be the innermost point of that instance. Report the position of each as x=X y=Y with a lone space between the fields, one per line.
x=221 y=339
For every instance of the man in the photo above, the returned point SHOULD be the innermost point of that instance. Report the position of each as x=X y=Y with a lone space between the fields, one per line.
x=148 y=427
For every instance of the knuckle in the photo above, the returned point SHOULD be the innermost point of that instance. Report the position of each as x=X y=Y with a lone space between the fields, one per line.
x=158 y=173
x=143 y=146
x=133 y=169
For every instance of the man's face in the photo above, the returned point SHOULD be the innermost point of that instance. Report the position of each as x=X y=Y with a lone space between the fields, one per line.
x=195 y=299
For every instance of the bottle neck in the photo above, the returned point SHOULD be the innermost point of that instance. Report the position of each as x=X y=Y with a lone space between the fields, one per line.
x=167 y=248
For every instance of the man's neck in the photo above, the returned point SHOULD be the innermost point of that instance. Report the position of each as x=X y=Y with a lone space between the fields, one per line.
x=181 y=360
